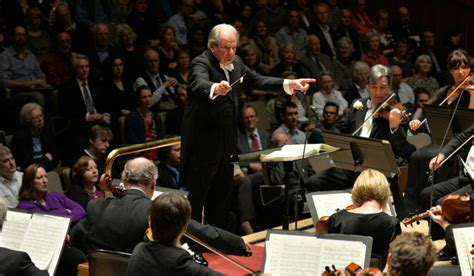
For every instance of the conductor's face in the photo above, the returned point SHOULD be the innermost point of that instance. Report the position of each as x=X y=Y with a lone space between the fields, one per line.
x=224 y=51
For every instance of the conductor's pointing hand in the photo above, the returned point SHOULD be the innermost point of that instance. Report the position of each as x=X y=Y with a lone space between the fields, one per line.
x=301 y=84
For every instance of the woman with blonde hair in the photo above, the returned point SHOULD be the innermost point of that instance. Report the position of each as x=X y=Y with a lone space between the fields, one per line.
x=370 y=196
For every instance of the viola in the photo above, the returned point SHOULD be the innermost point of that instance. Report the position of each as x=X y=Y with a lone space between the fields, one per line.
x=322 y=225
x=384 y=111
x=352 y=269
x=455 y=209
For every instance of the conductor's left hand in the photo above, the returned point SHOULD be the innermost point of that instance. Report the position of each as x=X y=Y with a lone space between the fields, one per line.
x=301 y=84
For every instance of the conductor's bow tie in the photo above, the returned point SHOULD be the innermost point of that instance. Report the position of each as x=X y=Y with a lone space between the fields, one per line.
x=227 y=67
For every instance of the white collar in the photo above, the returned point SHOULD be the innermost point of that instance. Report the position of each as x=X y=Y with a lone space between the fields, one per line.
x=227 y=67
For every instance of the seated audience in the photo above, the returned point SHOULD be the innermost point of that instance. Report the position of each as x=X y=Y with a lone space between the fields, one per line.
x=85 y=179
x=167 y=49
x=346 y=29
x=330 y=117
x=328 y=93
x=372 y=55
x=360 y=75
x=343 y=63
x=289 y=126
x=103 y=226
x=174 y=118
x=168 y=169
x=314 y=62
x=292 y=33
x=100 y=50
x=381 y=27
x=422 y=76
x=15 y=262
x=403 y=92
x=100 y=138
x=142 y=125
x=38 y=42
x=130 y=53
x=402 y=58
x=370 y=196
x=34 y=142
x=288 y=61
x=57 y=64
x=34 y=196
x=266 y=44
x=170 y=215
x=10 y=178
x=181 y=72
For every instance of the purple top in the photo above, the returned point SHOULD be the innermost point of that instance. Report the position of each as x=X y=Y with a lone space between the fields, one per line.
x=56 y=204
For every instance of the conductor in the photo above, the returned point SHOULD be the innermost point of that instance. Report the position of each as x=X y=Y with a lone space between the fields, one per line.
x=209 y=132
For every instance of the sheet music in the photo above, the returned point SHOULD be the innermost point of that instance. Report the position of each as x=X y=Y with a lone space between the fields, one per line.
x=156 y=194
x=14 y=229
x=308 y=255
x=293 y=152
x=469 y=163
x=464 y=238
x=327 y=204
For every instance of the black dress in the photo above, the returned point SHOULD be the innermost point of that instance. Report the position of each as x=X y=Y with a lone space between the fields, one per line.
x=381 y=227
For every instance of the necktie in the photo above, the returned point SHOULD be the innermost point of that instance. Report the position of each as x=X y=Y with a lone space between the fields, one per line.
x=323 y=68
x=254 y=142
x=158 y=81
x=88 y=99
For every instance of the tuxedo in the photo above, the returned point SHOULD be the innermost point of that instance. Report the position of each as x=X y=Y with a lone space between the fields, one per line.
x=209 y=134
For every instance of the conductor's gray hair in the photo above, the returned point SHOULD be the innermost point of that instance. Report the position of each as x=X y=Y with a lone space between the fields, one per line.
x=379 y=71
x=216 y=32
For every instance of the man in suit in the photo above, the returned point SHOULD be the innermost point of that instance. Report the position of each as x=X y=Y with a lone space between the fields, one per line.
x=359 y=114
x=80 y=103
x=209 y=121
x=168 y=169
x=314 y=62
x=15 y=262
x=323 y=31
x=103 y=226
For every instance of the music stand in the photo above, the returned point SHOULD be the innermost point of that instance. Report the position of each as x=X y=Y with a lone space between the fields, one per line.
x=359 y=153
x=287 y=165
x=441 y=115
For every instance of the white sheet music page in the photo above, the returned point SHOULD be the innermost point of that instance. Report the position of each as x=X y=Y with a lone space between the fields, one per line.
x=308 y=255
x=44 y=240
x=14 y=229
x=464 y=238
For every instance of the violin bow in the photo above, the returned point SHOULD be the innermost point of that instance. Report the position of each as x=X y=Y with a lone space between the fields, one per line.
x=216 y=251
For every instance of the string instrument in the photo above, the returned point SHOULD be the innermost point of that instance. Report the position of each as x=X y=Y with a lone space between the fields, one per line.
x=352 y=269
x=322 y=226
x=455 y=209
x=384 y=111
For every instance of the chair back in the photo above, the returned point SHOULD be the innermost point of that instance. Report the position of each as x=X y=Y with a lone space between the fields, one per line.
x=263 y=114
x=108 y=263
x=54 y=182
x=65 y=175
x=121 y=121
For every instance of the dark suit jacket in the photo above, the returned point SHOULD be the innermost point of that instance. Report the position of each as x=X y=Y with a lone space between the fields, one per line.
x=166 y=179
x=17 y=263
x=135 y=127
x=454 y=143
x=205 y=120
x=312 y=69
x=380 y=127
x=242 y=140
x=325 y=48
x=153 y=258
x=22 y=148
x=120 y=223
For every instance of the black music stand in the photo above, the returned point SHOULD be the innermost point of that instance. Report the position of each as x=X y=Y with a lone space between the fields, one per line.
x=359 y=153
x=440 y=117
x=288 y=168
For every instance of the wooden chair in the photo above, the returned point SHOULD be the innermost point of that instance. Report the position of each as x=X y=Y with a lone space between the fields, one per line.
x=108 y=263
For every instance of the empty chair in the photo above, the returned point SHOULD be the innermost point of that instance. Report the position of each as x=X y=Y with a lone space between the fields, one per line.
x=54 y=182
x=108 y=263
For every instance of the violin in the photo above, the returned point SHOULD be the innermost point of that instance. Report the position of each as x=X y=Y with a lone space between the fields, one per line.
x=455 y=209
x=352 y=269
x=386 y=107
x=322 y=226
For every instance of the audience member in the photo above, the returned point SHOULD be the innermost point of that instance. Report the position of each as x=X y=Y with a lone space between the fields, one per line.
x=289 y=126
x=85 y=177
x=170 y=216
x=343 y=63
x=34 y=142
x=161 y=85
x=15 y=262
x=313 y=61
x=130 y=53
x=370 y=198
x=168 y=169
x=167 y=50
x=103 y=226
x=181 y=72
x=144 y=24
x=266 y=44
x=20 y=71
x=57 y=64
x=65 y=22
x=174 y=117
x=361 y=19
x=402 y=58
x=381 y=27
x=428 y=42
x=328 y=93
x=330 y=117
x=346 y=28
x=403 y=92
x=274 y=14
x=251 y=58
x=182 y=21
x=422 y=97
x=422 y=76
x=197 y=41
x=100 y=52
x=406 y=29
x=292 y=33
x=38 y=42
x=326 y=34
x=372 y=54
x=10 y=178
x=288 y=61
x=99 y=140
x=360 y=75
x=90 y=13
x=142 y=125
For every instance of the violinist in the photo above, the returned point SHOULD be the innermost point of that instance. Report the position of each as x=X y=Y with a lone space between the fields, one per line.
x=386 y=126
x=459 y=67
x=370 y=195
x=170 y=215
